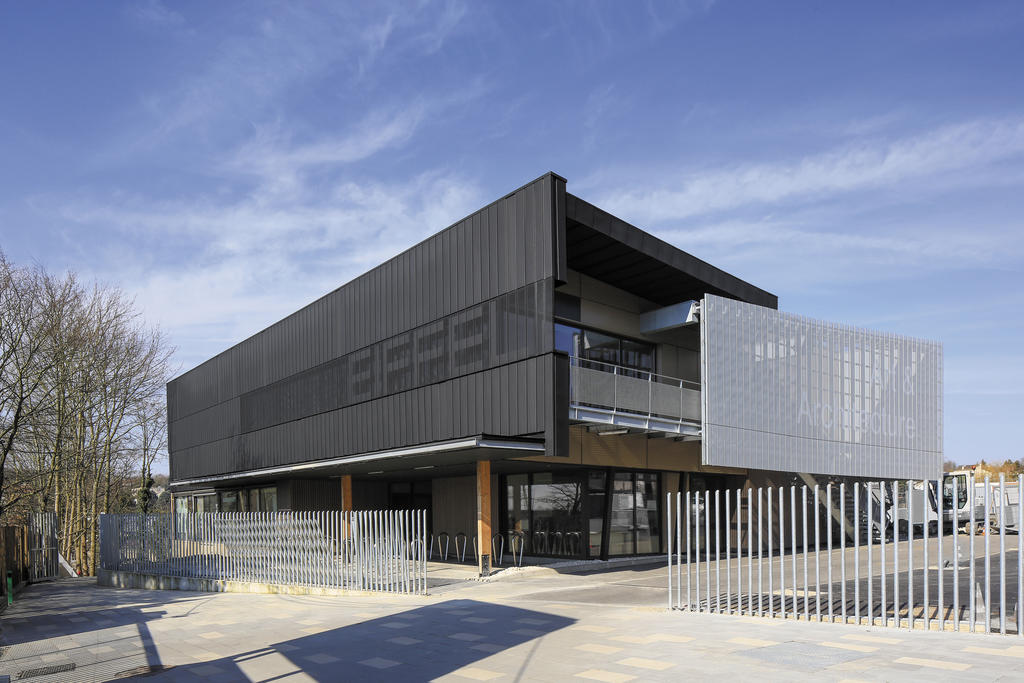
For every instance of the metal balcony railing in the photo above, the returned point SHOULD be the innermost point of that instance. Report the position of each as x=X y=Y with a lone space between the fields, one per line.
x=612 y=394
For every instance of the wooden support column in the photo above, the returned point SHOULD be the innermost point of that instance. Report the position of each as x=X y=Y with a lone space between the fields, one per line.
x=346 y=492
x=483 y=516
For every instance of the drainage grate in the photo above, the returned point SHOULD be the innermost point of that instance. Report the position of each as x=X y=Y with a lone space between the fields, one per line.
x=144 y=670
x=45 y=671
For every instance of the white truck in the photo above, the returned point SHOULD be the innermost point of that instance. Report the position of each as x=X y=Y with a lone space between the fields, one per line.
x=920 y=506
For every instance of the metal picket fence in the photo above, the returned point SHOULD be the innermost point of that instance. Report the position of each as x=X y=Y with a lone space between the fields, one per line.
x=379 y=550
x=942 y=555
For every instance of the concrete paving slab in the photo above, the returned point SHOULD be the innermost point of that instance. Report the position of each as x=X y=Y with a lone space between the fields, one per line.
x=511 y=629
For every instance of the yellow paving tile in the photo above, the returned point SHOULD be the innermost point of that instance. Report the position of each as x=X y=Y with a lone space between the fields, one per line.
x=871 y=639
x=753 y=642
x=934 y=664
x=850 y=646
x=598 y=648
x=477 y=674
x=1010 y=652
x=211 y=635
x=593 y=628
x=669 y=638
x=641 y=663
x=636 y=640
x=203 y=655
x=606 y=676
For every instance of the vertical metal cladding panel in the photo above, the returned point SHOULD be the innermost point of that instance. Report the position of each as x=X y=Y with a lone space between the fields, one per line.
x=560 y=267
x=874 y=409
x=499 y=249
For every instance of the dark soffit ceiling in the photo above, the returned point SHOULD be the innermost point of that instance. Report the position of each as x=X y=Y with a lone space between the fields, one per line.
x=613 y=251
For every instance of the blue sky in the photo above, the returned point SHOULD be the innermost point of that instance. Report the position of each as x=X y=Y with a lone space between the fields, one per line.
x=226 y=163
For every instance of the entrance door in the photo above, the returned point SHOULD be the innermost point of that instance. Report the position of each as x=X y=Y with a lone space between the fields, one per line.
x=635 y=524
x=622 y=525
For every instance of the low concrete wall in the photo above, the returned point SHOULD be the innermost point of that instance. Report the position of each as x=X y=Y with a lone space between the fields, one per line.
x=115 y=579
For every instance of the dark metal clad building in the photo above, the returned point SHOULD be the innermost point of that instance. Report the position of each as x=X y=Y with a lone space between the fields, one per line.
x=540 y=348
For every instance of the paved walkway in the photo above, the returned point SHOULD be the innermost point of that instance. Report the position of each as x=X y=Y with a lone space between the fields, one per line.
x=543 y=626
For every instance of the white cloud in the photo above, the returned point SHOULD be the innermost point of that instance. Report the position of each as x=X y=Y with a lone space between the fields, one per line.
x=251 y=261
x=271 y=154
x=850 y=168
x=155 y=13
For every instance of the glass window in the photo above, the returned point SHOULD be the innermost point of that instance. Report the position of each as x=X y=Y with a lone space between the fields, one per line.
x=604 y=348
x=961 y=491
x=206 y=503
x=596 y=484
x=567 y=339
x=229 y=501
x=518 y=501
x=254 y=500
x=557 y=501
x=268 y=499
x=621 y=526
x=601 y=347
x=637 y=356
x=648 y=523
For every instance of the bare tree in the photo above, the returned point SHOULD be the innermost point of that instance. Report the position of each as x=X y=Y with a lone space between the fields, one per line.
x=26 y=331
x=82 y=411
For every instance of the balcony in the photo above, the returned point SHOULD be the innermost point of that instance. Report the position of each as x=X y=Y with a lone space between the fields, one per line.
x=600 y=393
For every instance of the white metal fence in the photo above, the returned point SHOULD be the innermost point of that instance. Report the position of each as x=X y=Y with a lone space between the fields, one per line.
x=381 y=550
x=897 y=554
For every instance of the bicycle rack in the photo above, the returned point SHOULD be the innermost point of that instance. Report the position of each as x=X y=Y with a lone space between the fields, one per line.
x=461 y=556
x=447 y=538
x=573 y=539
x=416 y=549
x=540 y=547
x=517 y=544
x=500 y=554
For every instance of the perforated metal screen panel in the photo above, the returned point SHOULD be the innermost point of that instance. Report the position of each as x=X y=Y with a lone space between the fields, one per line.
x=784 y=392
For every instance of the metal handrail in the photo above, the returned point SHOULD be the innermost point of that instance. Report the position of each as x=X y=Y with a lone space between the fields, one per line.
x=632 y=372
x=628 y=392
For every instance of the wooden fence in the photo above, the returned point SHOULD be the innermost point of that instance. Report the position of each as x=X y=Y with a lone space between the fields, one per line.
x=382 y=550
x=14 y=556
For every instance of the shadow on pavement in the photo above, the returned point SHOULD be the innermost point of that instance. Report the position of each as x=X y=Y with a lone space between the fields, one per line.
x=82 y=625
x=419 y=644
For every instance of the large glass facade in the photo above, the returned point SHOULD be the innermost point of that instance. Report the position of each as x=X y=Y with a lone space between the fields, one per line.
x=565 y=514
x=604 y=348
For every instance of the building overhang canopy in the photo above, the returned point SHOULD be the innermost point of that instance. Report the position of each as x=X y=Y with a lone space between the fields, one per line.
x=610 y=250
x=441 y=453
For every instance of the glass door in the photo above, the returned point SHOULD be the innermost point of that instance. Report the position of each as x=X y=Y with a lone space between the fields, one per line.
x=622 y=524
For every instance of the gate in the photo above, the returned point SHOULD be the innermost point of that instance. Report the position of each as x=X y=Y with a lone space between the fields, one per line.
x=42 y=546
x=942 y=555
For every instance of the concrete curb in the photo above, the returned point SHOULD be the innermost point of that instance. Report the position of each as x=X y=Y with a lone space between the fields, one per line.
x=117 y=579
